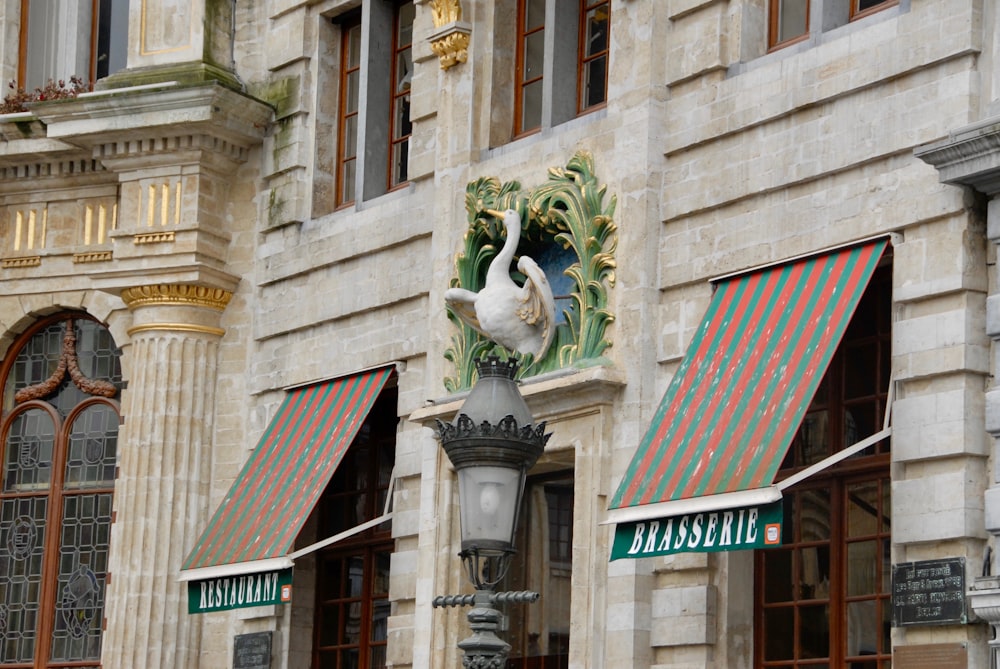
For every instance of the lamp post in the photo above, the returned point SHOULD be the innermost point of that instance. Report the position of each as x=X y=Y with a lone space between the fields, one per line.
x=492 y=445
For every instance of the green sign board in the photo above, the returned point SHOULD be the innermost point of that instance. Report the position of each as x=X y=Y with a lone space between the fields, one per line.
x=704 y=532
x=240 y=592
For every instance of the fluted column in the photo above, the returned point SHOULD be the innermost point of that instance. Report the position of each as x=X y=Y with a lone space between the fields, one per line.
x=162 y=490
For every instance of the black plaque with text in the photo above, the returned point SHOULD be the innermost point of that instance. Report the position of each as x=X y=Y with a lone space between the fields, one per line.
x=929 y=592
x=252 y=651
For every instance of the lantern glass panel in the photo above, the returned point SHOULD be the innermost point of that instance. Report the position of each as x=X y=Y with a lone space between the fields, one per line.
x=489 y=498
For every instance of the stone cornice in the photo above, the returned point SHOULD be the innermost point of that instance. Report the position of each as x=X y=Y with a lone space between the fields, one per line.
x=124 y=115
x=970 y=156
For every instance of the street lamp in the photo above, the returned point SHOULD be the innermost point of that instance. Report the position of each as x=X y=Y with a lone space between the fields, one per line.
x=492 y=445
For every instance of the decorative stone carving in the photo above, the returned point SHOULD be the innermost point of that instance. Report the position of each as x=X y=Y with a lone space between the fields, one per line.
x=176 y=294
x=67 y=363
x=519 y=318
x=567 y=211
x=450 y=40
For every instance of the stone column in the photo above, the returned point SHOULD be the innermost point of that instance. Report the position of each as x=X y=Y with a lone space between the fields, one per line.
x=161 y=496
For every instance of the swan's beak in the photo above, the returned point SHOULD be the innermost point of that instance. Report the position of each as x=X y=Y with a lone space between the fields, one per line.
x=494 y=213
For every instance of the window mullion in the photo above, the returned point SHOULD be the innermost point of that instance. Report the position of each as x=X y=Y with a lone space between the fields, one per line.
x=50 y=562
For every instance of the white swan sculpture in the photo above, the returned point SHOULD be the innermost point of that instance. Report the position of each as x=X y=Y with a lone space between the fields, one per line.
x=519 y=318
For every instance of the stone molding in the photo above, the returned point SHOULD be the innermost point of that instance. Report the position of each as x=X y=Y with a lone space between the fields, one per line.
x=450 y=40
x=176 y=295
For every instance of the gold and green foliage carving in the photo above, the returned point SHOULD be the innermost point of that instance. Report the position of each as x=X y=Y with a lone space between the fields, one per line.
x=568 y=210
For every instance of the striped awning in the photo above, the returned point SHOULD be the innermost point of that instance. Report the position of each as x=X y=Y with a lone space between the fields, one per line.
x=257 y=522
x=744 y=385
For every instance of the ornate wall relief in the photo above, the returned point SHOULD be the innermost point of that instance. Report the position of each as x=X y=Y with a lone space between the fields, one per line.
x=565 y=223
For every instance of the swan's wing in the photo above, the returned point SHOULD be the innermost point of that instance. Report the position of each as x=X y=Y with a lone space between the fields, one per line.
x=463 y=304
x=538 y=307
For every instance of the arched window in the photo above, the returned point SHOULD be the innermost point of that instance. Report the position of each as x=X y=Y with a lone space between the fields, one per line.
x=58 y=447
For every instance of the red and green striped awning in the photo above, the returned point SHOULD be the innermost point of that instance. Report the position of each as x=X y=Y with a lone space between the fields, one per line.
x=256 y=525
x=744 y=385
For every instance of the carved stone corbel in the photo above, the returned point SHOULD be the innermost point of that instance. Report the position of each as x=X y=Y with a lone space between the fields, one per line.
x=450 y=40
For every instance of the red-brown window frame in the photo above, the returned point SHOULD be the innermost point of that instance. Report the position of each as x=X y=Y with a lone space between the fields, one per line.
x=396 y=98
x=854 y=14
x=379 y=429
x=772 y=25
x=56 y=493
x=347 y=29
x=523 y=32
x=860 y=14
x=22 y=51
x=835 y=399
x=583 y=60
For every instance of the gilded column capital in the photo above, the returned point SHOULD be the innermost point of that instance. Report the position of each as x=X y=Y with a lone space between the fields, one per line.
x=450 y=40
x=174 y=294
x=176 y=308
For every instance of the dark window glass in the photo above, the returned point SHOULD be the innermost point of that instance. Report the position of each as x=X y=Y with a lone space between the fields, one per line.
x=59 y=430
x=539 y=632
x=822 y=598
x=352 y=580
x=402 y=74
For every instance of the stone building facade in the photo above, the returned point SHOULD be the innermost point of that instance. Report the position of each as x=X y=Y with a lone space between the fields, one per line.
x=263 y=202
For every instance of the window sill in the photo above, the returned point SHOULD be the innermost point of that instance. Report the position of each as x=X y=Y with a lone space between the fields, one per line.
x=818 y=38
x=586 y=118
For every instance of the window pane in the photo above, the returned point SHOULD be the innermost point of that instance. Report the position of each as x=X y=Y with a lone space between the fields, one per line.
x=862 y=631
x=112 y=37
x=597 y=30
x=534 y=14
x=868 y=4
x=96 y=353
x=22 y=541
x=92 y=447
x=813 y=441
x=83 y=564
x=779 y=633
x=531 y=112
x=863 y=566
x=777 y=576
x=862 y=509
x=814 y=572
x=534 y=55
x=28 y=453
x=814 y=631
x=793 y=16
x=539 y=633
x=814 y=515
x=354 y=46
x=861 y=371
x=35 y=362
x=595 y=82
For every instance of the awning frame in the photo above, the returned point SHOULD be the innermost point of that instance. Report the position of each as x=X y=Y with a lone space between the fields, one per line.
x=274 y=564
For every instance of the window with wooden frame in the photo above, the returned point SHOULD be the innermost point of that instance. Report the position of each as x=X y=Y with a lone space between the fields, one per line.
x=64 y=38
x=823 y=598
x=373 y=117
x=791 y=21
x=402 y=75
x=539 y=632
x=348 y=119
x=592 y=61
x=562 y=57
x=352 y=576
x=58 y=446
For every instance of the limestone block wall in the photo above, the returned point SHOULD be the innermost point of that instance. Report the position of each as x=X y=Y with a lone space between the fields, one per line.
x=769 y=156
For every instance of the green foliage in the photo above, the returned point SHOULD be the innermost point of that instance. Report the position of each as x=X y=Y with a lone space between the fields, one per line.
x=568 y=210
